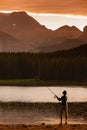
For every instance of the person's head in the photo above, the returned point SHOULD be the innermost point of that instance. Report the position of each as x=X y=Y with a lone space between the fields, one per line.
x=64 y=92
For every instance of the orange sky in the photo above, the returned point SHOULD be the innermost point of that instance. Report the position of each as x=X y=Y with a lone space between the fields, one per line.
x=53 y=7
x=78 y=7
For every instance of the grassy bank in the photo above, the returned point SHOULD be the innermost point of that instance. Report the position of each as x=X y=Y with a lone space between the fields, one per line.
x=34 y=82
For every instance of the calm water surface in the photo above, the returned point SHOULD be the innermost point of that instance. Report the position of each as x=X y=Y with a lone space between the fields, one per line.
x=41 y=94
x=29 y=105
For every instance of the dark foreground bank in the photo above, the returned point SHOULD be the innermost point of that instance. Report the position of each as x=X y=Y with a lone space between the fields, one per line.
x=43 y=127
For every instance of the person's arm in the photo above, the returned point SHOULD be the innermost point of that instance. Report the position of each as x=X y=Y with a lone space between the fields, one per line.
x=58 y=98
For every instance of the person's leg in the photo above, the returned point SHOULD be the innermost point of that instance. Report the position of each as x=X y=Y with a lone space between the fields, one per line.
x=61 y=115
x=65 y=117
x=66 y=114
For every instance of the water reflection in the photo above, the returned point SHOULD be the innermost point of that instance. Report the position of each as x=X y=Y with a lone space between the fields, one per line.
x=37 y=113
x=41 y=94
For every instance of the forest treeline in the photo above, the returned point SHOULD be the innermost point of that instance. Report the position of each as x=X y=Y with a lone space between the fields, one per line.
x=70 y=65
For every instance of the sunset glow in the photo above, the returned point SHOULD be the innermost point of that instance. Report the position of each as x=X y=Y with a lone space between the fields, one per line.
x=54 y=21
x=51 y=13
x=7 y=11
x=77 y=7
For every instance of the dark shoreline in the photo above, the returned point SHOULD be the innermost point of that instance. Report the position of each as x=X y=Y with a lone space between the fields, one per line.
x=34 y=82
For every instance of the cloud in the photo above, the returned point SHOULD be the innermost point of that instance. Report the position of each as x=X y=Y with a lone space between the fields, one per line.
x=78 y=7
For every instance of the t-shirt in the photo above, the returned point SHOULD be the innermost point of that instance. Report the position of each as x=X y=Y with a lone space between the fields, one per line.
x=63 y=100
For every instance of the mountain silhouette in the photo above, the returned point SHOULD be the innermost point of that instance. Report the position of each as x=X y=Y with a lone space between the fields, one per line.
x=27 y=34
x=84 y=35
x=68 y=32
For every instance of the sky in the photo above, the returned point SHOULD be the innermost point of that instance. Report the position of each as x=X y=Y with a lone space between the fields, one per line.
x=51 y=13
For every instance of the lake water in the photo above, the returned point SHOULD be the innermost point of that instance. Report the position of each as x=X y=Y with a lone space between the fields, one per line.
x=35 y=105
x=41 y=94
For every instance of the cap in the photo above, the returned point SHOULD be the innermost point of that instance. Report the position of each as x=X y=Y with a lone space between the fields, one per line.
x=65 y=92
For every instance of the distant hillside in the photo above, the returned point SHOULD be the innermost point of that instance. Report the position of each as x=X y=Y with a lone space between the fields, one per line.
x=80 y=51
x=33 y=37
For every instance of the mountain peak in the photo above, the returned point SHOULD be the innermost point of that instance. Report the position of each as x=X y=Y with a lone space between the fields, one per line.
x=68 y=28
x=68 y=32
x=85 y=29
x=63 y=28
x=23 y=13
x=20 y=15
x=74 y=28
x=18 y=20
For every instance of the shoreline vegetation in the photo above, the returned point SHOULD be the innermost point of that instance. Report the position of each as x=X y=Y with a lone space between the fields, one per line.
x=37 y=82
x=43 y=127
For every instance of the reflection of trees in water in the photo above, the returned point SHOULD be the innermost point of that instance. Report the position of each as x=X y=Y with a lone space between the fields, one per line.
x=75 y=109
x=37 y=112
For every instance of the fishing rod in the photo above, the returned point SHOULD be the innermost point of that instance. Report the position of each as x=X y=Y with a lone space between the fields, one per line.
x=52 y=92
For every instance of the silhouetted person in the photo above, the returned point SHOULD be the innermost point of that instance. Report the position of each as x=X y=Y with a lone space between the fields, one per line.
x=64 y=106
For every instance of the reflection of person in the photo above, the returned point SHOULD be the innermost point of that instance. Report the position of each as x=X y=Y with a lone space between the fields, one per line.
x=64 y=107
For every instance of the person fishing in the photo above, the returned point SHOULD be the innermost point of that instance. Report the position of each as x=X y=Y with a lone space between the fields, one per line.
x=64 y=106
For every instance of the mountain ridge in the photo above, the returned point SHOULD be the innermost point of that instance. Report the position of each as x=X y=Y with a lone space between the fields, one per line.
x=35 y=37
